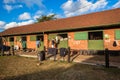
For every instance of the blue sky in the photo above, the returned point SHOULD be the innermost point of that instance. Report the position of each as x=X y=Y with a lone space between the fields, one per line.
x=15 y=13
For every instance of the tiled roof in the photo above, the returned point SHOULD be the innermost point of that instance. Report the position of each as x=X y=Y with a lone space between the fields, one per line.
x=83 y=21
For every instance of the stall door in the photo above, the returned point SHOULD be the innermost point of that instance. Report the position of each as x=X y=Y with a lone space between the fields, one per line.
x=95 y=45
x=11 y=39
x=40 y=42
x=95 y=41
x=51 y=39
x=63 y=41
x=24 y=42
x=60 y=40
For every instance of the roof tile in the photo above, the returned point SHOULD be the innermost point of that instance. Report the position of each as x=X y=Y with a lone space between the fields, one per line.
x=82 y=21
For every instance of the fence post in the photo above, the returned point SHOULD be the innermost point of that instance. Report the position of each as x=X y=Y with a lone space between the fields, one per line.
x=68 y=54
x=13 y=50
x=106 y=58
x=44 y=52
x=44 y=48
x=2 y=51
x=55 y=52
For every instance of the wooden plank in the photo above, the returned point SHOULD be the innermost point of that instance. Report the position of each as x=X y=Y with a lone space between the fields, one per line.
x=95 y=45
x=41 y=46
x=63 y=44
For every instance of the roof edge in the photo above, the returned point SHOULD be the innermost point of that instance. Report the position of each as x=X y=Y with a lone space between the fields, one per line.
x=95 y=26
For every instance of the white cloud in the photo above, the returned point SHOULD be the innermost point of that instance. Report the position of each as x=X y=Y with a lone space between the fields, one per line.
x=10 y=25
x=2 y=23
x=8 y=7
x=99 y=4
x=116 y=5
x=18 y=6
x=11 y=4
x=31 y=3
x=38 y=14
x=25 y=22
x=11 y=7
x=8 y=1
x=15 y=24
x=72 y=8
x=58 y=16
x=24 y=16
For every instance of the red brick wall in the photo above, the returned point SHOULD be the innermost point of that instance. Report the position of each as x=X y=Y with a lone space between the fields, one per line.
x=108 y=43
x=30 y=44
x=46 y=40
x=76 y=44
x=83 y=44
x=6 y=43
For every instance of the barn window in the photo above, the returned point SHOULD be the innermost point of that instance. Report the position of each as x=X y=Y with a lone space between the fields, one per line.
x=117 y=34
x=36 y=37
x=98 y=35
x=39 y=37
x=24 y=38
x=11 y=39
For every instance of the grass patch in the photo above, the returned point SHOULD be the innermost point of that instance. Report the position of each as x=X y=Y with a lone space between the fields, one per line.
x=20 y=68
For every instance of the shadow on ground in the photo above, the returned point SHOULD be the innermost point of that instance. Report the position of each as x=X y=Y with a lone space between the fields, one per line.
x=26 y=69
x=73 y=72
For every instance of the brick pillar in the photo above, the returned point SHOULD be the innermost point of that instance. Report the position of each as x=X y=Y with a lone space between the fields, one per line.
x=46 y=40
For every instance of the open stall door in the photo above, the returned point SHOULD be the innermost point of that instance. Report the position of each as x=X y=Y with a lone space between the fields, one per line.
x=51 y=39
x=95 y=41
x=24 y=42
x=60 y=40
x=63 y=42
x=11 y=40
x=5 y=40
x=1 y=42
x=40 y=42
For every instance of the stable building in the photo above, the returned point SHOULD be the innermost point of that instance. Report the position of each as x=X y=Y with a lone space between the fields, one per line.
x=94 y=31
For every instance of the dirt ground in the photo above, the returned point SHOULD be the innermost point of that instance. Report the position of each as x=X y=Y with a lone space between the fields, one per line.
x=96 y=59
x=20 y=68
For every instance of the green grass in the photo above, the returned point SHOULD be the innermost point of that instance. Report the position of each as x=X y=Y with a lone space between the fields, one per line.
x=19 y=68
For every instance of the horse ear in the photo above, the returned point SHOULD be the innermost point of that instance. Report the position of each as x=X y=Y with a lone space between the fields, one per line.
x=114 y=43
